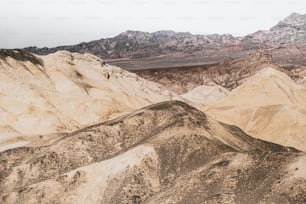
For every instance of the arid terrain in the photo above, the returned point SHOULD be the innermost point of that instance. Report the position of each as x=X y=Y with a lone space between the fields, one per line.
x=184 y=61
x=164 y=153
x=269 y=105
x=63 y=92
x=160 y=118
x=228 y=73
x=167 y=152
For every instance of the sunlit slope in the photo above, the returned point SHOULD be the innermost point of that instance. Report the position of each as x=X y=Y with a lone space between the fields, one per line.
x=65 y=91
x=269 y=106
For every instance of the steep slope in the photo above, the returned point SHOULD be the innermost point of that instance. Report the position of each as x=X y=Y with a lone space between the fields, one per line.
x=65 y=91
x=164 y=153
x=269 y=106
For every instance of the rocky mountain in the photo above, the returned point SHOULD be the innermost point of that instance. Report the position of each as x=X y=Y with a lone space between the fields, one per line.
x=287 y=40
x=135 y=49
x=269 y=106
x=65 y=91
x=137 y=44
x=168 y=152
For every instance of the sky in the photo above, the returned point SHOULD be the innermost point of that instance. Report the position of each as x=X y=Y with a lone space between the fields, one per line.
x=63 y=22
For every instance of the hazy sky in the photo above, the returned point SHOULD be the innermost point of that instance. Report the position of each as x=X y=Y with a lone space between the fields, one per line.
x=61 y=22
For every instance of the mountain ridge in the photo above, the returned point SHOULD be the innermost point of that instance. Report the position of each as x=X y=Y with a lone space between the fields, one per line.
x=286 y=40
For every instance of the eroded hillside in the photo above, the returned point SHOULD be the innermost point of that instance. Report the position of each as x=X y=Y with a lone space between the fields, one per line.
x=269 y=106
x=168 y=152
x=229 y=73
x=65 y=91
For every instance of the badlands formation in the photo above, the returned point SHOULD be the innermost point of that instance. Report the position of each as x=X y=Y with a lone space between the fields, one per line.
x=228 y=73
x=168 y=152
x=269 y=106
x=65 y=91
x=118 y=138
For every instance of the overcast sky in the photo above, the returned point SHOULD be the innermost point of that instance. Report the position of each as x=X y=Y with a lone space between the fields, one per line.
x=63 y=22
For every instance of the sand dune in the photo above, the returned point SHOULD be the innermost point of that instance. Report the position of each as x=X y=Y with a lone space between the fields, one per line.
x=269 y=106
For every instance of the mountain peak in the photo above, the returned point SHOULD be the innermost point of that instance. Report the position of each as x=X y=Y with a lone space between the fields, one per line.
x=269 y=75
x=295 y=15
x=267 y=87
x=165 y=32
x=269 y=72
x=294 y=19
x=133 y=33
x=168 y=33
x=171 y=33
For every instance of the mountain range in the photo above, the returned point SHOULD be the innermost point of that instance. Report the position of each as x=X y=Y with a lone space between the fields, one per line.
x=135 y=49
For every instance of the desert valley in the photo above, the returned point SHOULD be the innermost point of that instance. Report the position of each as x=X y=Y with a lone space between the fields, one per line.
x=163 y=117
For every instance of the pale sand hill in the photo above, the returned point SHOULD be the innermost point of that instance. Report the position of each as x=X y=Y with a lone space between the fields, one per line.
x=269 y=106
x=205 y=94
x=68 y=92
